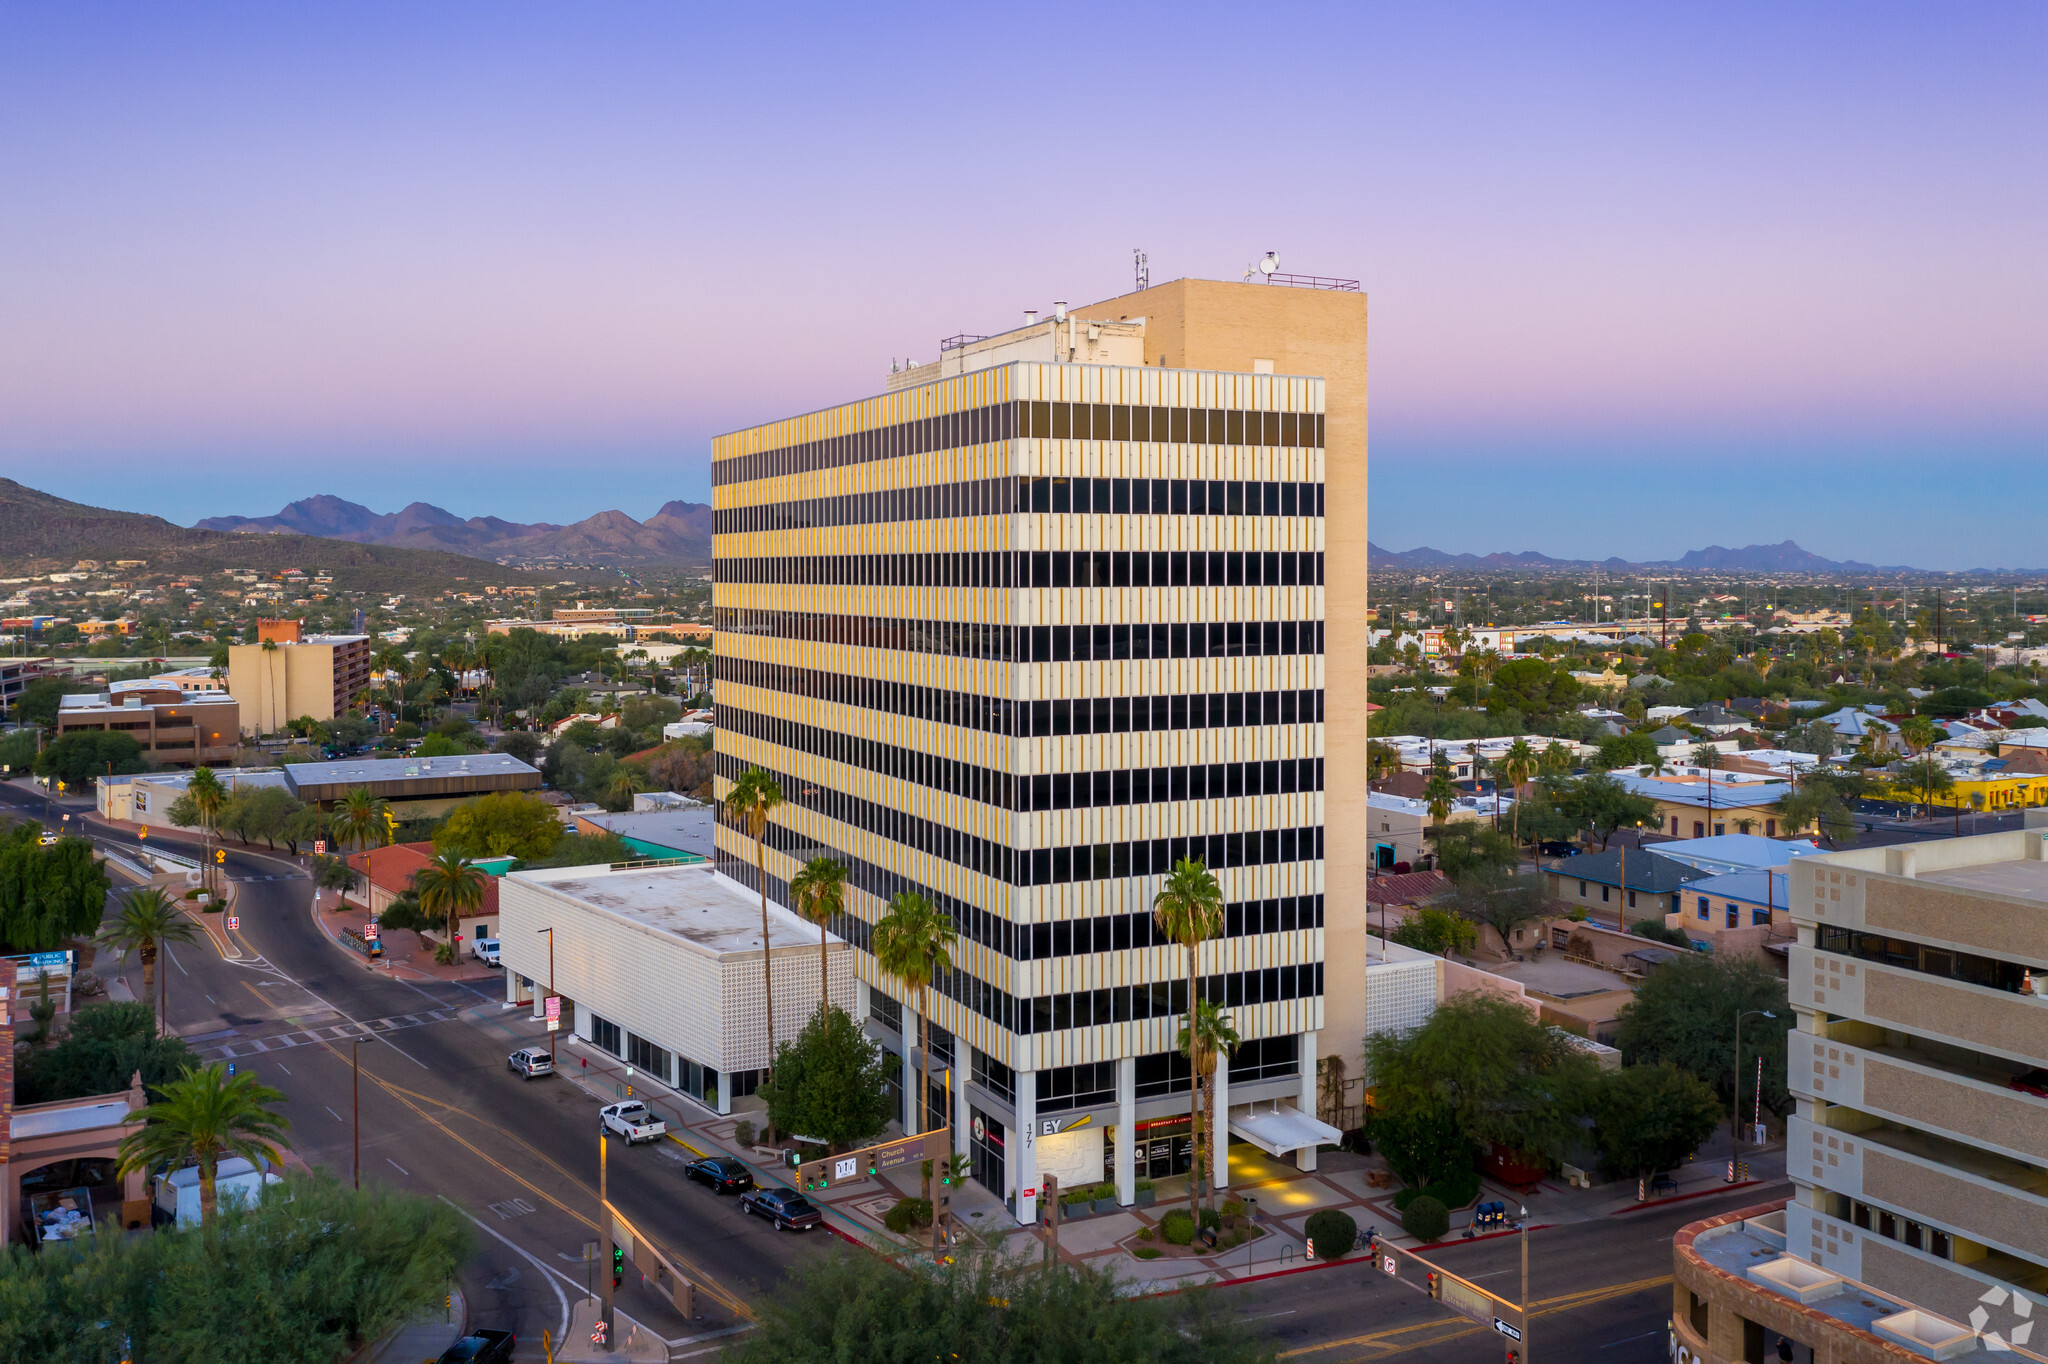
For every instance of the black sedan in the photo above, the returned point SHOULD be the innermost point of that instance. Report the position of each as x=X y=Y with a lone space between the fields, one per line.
x=723 y=1174
x=788 y=1209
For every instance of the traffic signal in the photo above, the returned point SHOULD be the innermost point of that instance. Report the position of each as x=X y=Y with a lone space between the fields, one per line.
x=618 y=1265
x=1433 y=1286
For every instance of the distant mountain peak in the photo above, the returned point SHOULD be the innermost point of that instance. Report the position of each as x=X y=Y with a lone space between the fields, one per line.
x=679 y=533
x=1788 y=557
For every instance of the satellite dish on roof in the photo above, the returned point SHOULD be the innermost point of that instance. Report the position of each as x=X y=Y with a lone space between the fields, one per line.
x=1270 y=263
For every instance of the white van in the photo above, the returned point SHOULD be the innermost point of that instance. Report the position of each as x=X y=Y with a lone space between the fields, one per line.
x=235 y=1180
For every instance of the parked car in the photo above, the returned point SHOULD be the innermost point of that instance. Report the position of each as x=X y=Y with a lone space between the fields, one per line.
x=481 y=1347
x=531 y=1061
x=1551 y=847
x=485 y=950
x=631 y=1120
x=786 y=1208
x=2034 y=1081
x=722 y=1173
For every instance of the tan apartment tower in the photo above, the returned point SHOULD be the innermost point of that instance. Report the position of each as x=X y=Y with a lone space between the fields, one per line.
x=288 y=675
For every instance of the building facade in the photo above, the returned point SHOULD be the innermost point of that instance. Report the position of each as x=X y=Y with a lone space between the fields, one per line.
x=175 y=729
x=289 y=677
x=1919 y=1153
x=1020 y=637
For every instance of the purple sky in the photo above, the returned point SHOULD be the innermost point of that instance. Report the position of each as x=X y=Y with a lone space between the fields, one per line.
x=1642 y=278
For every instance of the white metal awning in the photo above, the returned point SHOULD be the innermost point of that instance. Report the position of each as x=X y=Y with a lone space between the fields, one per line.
x=1280 y=1131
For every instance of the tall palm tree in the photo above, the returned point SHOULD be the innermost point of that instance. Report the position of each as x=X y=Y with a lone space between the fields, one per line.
x=209 y=798
x=1205 y=1039
x=448 y=885
x=1189 y=910
x=359 y=819
x=818 y=892
x=147 y=920
x=913 y=942
x=204 y=1116
x=1518 y=765
x=749 y=801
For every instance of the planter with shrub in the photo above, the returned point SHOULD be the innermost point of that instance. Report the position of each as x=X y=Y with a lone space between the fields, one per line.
x=1146 y=1195
x=1075 y=1203
x=1177 y=1228
x=1425 y=1219
x=1103 y=1199
x=908 y=1213
x=1332 y=1233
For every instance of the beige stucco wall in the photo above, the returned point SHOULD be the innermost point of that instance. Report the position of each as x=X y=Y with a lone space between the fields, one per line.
x=276 y=686
x=1221 y=325
x=1990 y=924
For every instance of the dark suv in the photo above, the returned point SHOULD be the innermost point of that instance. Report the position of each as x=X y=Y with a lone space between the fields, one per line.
x=788 y=1209
x=723 y=1174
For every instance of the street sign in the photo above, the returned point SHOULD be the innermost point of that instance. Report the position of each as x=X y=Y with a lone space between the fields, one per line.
x=935 y=1145
x=319 y=847
x=1390 y=1267
x=234 y=922
x=554 y=1025
x=554 y=1008
x=370 y=930
x=1512 y=1332
x=48 y=961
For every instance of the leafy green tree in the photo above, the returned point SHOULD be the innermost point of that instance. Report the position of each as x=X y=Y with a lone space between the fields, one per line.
x=1532 y=687
x=1600 y=803
x=1189 y=910
x=18 y=750
x=501 y=824
x=205 y=1116
x=1815 y=736
x=39 y=702
x=102 y=1047
x=48 y=894
x=1422 y=1143
x=987 y=1308
x=1502 y=903
x=1927 y=778
x=1627 y=750
x=1436 y=931
x=1502 y=1075
x=1684 y=1014
x=913 y=942
x=521 y=744
x=83 y=757
x=1471 y=850
x=1658 y=931
x=1651 y=1118
x=831 y=1082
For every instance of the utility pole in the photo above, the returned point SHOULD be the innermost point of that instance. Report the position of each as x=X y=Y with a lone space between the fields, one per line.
x=605 y=1248
x=1525 y=1283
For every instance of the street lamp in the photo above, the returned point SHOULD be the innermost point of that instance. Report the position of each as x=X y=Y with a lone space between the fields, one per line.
x=1735 y=1115
x=550 y=931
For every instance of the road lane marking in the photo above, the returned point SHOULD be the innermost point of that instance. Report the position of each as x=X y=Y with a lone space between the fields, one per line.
x=337 y=1116
x=560 y=1296
x=1564 y=1302
x=396 y=1166
x=1630 y=1340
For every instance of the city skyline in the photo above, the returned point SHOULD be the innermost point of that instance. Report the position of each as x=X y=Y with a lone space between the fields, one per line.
x=1709 y=260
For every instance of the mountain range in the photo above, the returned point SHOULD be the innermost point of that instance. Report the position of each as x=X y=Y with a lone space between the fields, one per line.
x=1785 y=558
x=678 y=533
x=40 y=532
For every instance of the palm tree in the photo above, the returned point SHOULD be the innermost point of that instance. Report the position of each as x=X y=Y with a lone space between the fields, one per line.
x=204 y=1116
x=624 y=786
x=1518 y=765
x=1206 y=1037
x=1918 y=731
x=818 y=892
x=913 y=943
x=360 y=819
x=209 y=798
x=1189 y=910
x=146 y=921
x=749 y=801
x=1381 y=759
x=448 y=885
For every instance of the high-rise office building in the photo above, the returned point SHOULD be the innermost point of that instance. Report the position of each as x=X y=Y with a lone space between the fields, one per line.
x=1053 y=613
x=288 y=674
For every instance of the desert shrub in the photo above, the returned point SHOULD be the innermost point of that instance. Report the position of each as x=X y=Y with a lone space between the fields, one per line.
x=1453 y=1192
x=1177 y=1228
x=1425 y=1219
x=1212 y=1219
x=1333 y=1232
x=908 y=1213
x=743 y=1132
x=1147 y=1252
x=1233 y=1207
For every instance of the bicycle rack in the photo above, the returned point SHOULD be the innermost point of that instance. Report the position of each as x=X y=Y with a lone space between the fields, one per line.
x=1286 y=1254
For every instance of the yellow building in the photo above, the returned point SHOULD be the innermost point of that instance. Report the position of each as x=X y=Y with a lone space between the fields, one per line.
x=1022 y=633
x=286 y=675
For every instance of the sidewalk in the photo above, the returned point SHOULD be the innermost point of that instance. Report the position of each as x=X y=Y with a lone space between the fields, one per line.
x=426 y=1337
x=405 y=955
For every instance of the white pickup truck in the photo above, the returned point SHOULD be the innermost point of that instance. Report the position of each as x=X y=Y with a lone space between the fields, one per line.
x=485 y=950
x=632 y=1121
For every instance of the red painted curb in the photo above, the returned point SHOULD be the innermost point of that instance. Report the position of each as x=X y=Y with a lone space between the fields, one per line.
x=1688 y=1197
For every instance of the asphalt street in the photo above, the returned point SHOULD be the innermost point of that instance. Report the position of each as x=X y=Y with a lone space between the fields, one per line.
x=439 y=1114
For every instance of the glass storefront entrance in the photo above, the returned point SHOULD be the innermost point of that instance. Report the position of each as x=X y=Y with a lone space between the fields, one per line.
x=1164 y=1147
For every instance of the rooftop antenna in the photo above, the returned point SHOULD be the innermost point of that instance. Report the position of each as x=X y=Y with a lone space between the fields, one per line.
x=1141 y=269
x=1269 y=264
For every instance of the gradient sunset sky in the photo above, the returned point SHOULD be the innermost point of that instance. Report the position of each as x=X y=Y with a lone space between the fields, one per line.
x=1642 y=278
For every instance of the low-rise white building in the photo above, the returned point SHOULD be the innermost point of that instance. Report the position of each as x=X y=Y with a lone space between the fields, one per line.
x=660 y=967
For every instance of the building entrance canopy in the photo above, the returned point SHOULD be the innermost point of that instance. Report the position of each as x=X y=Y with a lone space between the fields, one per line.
x=1280 y=1131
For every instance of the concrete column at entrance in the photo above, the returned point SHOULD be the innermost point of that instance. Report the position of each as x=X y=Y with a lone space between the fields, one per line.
x=512 y=987
x=911 y=1107
x=1305 y=1158
x=1219 y=1139
x=540 y=1000
x=963 y=1120
x=1023 y=1146
x=1127 y=1131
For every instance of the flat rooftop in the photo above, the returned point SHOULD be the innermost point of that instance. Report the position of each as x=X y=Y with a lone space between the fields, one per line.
x=2022 y=879
x=412 y=778
x=694 y=903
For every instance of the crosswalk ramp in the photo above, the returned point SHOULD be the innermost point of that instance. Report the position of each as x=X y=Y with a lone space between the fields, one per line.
x=223 y=1049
